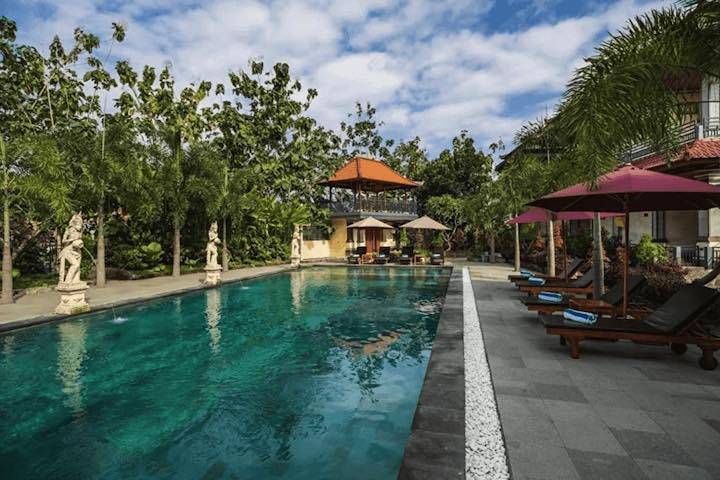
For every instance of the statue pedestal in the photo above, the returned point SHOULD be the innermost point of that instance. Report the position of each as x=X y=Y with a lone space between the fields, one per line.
x=212 y=275
x=295 y=261
x=72 y=298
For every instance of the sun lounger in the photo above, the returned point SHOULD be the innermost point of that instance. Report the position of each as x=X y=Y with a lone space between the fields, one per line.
x=406 y=256
x=357 y=256
x=674 y=323
x=573 y=267
x=383 y=256
x=581 y=286
x=609 y=304
x=437 y=259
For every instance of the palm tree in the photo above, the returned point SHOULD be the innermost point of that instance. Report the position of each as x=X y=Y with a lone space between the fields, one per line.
x=623 y=94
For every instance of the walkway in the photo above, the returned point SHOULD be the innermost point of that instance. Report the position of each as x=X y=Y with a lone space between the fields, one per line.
x=39 y=306
x=622 y=411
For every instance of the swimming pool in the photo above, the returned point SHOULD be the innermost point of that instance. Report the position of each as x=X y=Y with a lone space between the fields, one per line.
x=310 y=374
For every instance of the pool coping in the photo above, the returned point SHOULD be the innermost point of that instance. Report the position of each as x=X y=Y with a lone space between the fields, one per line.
x=54 y=317
x=436 y=445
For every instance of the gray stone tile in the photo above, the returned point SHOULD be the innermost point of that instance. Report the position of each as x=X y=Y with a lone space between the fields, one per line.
x=627 y=418
x=582 y=428
x=542 y=363
x=525 y=421
x=514 y=387
x=699 y=440
x=567 y=393
x=652 y=446
x=441 y=420
x=714 y=423
x=670 y=471
x=497 y=361
x=602 y=466
x=544 y=462
x=597 y=396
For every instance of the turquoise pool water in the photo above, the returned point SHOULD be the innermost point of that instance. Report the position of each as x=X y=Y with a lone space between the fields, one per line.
x=313 y=374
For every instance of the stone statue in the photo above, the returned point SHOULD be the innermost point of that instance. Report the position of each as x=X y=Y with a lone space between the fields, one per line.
x=296 y=239
x=71 y=251
x=211 y=249
x=71 y=289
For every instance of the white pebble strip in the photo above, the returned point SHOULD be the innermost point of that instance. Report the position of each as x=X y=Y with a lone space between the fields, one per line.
x=484 y=447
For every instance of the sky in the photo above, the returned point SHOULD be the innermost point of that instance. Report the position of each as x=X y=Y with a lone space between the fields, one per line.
x=431 y=67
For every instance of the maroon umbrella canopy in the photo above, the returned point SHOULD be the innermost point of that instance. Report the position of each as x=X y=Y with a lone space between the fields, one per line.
x=635 y=190
x=632 y=189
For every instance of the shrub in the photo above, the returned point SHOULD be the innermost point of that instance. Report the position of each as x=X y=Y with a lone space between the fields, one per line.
x=404 y=240
x=648 y=252
x=136 y=258
x=663 y=280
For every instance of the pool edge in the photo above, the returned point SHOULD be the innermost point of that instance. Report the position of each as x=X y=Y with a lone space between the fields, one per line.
x=436 y=445
x=52 y=317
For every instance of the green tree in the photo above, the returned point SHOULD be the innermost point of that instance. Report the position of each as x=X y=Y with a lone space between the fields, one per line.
x=450 y=211
x=409 y=159
x=41 y=99
x=170 y=122
x=486 y=213
x=362 y=134
x=459 y=172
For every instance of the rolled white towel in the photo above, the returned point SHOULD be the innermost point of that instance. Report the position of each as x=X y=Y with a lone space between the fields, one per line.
x=579 y=316
x=551 y=297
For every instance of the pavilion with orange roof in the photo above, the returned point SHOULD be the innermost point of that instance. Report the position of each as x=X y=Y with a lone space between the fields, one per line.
x=363 y=187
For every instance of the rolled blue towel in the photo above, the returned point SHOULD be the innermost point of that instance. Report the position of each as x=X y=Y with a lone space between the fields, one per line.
x=525 y=272
x=551 y=297
x=580 y=316
x=536 y=281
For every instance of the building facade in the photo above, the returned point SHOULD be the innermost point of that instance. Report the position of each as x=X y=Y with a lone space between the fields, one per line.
x=362 y=188
x=692 y=237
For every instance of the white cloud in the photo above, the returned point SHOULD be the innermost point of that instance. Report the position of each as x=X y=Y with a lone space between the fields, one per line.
x=431 y=67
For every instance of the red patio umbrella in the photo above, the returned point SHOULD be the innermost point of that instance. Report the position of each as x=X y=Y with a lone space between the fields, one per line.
x=540 y=215
x=631 y=189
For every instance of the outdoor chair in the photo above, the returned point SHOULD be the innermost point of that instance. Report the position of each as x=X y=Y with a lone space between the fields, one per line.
x=406 y=256
x=383 y=256
x=573 y=267
x=437 y=258
x=581 y=286
x=674 y=323
x=357 y=256
x=609 y=304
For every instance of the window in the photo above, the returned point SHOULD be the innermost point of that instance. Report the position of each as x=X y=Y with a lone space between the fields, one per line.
x=658 y=226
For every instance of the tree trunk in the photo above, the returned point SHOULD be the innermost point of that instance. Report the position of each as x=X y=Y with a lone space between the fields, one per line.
x=100 y=260
x=225 y=253
x=176 y=249
x=7 y=280
x=517 y=247
x=492 y=248
x=598 y=262
x=551 y=249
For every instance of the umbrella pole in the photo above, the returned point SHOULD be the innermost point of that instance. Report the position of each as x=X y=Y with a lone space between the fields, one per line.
x=627 y=261
x=565 y=259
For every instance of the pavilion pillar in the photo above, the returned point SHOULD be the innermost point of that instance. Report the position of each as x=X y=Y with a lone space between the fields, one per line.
x=551 y=248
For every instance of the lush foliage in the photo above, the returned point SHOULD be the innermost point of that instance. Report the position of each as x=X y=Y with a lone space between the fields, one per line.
x=648 y=252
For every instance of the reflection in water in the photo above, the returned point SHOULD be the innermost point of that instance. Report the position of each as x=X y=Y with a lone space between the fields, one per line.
x=7 y=348
x=71 y=353
x=212 y=314
x=371 y=346
x=297 y=281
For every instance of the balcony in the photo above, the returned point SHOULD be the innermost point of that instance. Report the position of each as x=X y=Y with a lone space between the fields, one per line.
x=379 y=207
x=687 y=133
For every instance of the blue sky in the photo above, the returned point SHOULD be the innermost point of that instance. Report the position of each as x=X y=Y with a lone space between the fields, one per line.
x=431 y=67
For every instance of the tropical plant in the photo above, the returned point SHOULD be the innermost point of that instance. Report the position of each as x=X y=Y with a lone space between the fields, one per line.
x=450 y=211
x=648 y=252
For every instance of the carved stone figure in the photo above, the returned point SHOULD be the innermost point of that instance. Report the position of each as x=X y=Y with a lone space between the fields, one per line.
x=296 y=246
x=212 y=268
x=71 y=253
x=211 y=249
x=71 y=288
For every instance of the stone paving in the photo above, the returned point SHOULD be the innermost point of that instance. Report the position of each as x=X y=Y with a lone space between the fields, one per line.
x=621 y=411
